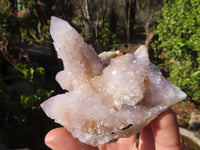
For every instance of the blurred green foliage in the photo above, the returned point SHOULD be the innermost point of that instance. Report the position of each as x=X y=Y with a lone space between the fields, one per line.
x=106 y=40
x=22 y=123
x=35 y=77
x=30 y=73
x=24 y=21
x=178 y=44
x=33 y=101
x=24 y=83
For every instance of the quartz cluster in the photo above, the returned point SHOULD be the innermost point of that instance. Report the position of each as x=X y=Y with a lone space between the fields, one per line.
x=109 y=101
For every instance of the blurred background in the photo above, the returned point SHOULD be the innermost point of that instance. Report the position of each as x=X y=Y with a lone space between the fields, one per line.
x=28 y=62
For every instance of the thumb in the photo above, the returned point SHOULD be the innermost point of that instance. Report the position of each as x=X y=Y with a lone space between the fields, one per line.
x=61 y=139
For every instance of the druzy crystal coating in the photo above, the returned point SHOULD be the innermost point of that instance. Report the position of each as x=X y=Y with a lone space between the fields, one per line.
x=105 y=102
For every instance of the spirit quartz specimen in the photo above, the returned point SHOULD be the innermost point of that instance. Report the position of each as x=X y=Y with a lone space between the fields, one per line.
x=105 y=102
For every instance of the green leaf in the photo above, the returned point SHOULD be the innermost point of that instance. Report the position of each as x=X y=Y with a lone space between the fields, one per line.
x=40 y=70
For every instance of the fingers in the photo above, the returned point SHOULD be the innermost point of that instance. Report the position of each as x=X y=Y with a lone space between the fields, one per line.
x=146 y=141
x=61 y=139
x=121 y=144
x=163 y=131
x=166 y=132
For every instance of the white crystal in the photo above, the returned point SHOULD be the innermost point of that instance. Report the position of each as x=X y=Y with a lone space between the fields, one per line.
x=105 y=103
x=114 y=72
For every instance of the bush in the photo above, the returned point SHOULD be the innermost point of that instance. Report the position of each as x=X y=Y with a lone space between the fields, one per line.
x=106 y=40
x=22 y=122
x=24 y=83
x=178 y=44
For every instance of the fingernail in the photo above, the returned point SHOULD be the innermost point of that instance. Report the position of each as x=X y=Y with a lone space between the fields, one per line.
x=49 y=142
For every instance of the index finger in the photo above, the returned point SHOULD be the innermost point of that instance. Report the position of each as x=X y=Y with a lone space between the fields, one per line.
x=166 y=132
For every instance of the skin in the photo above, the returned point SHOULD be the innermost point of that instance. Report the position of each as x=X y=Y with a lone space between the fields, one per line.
x=161 y=134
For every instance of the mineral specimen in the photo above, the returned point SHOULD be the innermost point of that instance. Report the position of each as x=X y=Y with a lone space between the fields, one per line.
x=110 y=101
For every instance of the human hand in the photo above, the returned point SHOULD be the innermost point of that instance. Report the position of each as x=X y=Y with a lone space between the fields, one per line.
x=161 y=134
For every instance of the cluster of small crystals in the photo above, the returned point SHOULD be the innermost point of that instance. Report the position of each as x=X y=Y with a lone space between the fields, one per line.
x=105 y=102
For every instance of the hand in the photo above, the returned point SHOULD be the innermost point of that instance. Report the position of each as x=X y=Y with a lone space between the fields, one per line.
x=161 y=134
